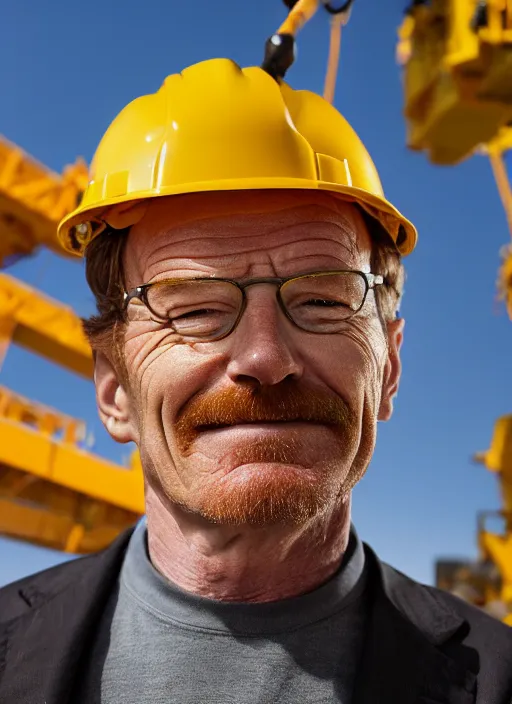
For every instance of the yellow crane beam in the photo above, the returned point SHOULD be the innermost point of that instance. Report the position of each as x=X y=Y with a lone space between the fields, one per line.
x=42 y=325
x=32 y=201
x=53 y=491
x=498 y=459
x=495 y=547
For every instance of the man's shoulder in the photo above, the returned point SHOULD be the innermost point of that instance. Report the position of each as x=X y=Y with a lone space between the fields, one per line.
x=16 y=596
x=19 y=596
x=418 y=602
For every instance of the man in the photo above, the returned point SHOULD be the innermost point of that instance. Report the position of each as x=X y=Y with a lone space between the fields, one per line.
x=247 y=271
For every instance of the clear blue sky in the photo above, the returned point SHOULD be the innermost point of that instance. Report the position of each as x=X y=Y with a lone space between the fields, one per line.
x=68 y=68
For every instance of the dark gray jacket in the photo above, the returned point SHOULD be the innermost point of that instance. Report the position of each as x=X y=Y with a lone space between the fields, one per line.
x=422 y=645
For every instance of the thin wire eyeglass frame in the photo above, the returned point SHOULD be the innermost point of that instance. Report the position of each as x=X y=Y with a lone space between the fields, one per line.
x=141 y=293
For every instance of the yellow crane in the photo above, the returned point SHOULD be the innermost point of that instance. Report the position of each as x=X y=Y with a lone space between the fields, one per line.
x=457 y=78
x=497 y=548
x=32 y=201
x=53 y=490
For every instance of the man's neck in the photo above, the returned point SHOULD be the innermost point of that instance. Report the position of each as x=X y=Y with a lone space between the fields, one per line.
x=245 y=564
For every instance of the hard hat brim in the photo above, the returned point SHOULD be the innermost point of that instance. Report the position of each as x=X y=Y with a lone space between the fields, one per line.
x=402 y=231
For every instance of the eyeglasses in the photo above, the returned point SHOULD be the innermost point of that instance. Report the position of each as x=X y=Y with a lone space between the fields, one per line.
x=208 y=309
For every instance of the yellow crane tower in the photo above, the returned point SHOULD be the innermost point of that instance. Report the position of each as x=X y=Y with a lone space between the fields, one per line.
x=457 y=78
x=53 y=491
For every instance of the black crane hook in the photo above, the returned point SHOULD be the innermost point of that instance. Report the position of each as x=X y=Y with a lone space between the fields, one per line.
x=346 y=7
x=279 y=55
x=290 y=4
x=280 y=48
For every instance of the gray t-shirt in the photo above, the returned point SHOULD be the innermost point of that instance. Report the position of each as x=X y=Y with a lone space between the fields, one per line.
x=158 y=644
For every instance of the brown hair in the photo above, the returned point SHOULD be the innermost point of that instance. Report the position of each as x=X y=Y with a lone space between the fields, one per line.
x=105 y=276
x=386 y=261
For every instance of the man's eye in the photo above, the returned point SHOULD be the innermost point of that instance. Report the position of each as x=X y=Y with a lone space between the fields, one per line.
x=200 y=312
x=324 y=302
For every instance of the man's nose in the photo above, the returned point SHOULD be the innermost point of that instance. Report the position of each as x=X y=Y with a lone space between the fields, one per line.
x=263 y=348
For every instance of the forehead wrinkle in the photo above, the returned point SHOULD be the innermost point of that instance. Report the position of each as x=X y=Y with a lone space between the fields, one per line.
x=253 y=239
x=331 y=207
x=217 y=231
x=231 y=267
x=226 y=263
x=335 y=211
x=242 y=228
x=178 y=267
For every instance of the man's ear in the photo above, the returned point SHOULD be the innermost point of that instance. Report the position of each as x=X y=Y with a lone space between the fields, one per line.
x=392 y=369
x=114 y=403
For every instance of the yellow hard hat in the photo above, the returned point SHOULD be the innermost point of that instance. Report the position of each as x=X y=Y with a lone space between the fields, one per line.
x=217 y=127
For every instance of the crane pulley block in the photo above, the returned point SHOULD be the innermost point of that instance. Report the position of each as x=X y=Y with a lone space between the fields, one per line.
x=457 y=57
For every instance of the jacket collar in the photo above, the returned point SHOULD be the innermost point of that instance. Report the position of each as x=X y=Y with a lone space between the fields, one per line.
x=413 y=651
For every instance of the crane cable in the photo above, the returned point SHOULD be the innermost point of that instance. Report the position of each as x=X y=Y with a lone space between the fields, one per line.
x=337 y=22
x=280 y=48
x=503 y=184
x=496 y=150
x=300 y=13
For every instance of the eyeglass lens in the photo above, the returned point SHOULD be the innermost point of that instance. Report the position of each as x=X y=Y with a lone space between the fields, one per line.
x=210 y=309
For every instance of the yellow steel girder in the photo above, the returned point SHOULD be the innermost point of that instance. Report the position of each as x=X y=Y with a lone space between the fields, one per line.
x=495 y=547
x=498 y=548
x=42 y=441
x=498 y=459
x=49 y=515
x=52 y=490
x=42 y=325
x=32 y=201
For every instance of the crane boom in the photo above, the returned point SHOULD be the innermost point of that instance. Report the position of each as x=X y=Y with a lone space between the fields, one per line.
x=32 y=201
x=42 y=325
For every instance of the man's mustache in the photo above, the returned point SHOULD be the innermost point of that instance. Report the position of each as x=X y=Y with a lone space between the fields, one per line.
x=239 y=404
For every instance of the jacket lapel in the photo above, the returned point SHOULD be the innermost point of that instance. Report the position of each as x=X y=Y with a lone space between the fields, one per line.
x=69 y=606
x=403 y=660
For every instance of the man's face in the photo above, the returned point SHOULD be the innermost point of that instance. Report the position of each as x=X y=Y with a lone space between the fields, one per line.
x=272 y=424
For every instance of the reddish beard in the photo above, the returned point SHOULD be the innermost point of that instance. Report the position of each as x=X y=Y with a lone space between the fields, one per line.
x=289 y=494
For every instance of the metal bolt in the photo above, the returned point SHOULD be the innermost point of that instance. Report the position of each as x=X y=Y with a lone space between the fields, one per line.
x=83 y=231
